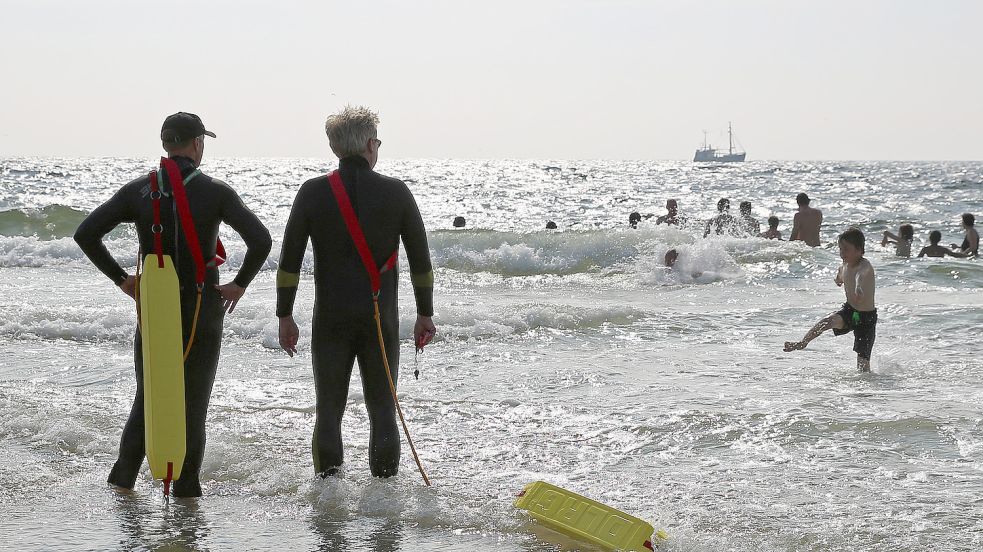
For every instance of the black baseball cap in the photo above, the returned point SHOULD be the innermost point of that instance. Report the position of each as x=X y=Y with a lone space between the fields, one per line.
x=183 y=126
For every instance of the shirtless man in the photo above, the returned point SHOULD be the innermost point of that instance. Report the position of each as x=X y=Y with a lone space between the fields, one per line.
x=806 y=223
x=723 y=223
x=672 y=216
x=858 y=315
x=971 y=244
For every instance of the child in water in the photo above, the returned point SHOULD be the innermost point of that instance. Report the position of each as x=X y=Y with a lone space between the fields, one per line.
x=902 y=240
x=936 y=250
x=858 y=314
x=772 y=232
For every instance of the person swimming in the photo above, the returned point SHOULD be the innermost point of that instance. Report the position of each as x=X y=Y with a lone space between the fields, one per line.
x=670 y=258
x=672 y=214
x=748 y=223
x=936 y=250
x=971 y=243
x=902 y=240
x=723 y=223
x=807 y=222
x=459 y=222
x=772 y=232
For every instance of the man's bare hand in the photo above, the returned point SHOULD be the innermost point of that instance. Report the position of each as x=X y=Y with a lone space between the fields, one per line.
x=129 y=286
x=231 y=293
x=289 y=334
x=423 y=331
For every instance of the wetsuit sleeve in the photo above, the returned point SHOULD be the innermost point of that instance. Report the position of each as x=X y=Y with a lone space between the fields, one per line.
x=414 y=236
x=253 y=232
x=292 y=251
x=100 y=222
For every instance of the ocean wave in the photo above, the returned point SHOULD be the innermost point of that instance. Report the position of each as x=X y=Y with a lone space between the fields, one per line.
x=75 y=323
x=23 y=251
x=700 y=262
x=527 y=254
x=47 y=223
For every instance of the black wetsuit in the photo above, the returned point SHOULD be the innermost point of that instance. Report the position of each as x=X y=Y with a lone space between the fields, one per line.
x=343 y=325
x=211 y=202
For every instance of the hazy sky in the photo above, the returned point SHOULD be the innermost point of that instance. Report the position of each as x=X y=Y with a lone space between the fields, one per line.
x=535 y=79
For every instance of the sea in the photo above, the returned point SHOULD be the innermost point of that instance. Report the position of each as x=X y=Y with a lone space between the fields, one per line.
x=572 y=356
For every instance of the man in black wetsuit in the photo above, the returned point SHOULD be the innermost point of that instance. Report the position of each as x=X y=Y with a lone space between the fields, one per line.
x=343 y=326
x=211 y=202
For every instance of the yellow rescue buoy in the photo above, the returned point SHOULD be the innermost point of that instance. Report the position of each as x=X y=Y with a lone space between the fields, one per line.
x=580 y=517
x=163 y=368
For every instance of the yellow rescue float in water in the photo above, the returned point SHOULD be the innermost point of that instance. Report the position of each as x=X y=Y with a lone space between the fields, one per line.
x=582 y=518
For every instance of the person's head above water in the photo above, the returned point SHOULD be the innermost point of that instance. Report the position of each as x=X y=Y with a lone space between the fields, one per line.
x=745 y=207
x=802 y=199
x=671 y=257
x=672 y=206
x=723 y=204
x=634 y=218
x=353 y=131
x=550 y=225
x=459 y=222
x=851 y=245
x=183 y=134
x=773 y=222
x=935 y=237
x=907 y=232
x=968 y=220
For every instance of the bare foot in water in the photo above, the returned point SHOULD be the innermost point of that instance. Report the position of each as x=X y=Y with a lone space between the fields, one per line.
x=795 y=346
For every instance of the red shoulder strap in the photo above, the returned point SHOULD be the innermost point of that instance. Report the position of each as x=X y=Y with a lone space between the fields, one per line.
x=354 y=229
x=184 y=213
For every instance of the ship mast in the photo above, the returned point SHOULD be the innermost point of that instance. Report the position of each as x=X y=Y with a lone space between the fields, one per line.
x=730 y=137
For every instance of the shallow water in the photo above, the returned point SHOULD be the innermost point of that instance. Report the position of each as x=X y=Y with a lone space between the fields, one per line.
x=572 y=356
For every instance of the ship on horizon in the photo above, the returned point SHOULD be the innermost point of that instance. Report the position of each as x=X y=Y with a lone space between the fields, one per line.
x=708 y=153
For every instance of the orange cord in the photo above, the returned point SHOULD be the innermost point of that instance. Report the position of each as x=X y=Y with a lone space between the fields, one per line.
x=392 y=388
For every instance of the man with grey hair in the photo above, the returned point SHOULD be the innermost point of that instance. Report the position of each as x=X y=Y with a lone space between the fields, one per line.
x=354 y=218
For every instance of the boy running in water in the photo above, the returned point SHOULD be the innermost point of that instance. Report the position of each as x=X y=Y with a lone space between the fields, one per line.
x=858 y=314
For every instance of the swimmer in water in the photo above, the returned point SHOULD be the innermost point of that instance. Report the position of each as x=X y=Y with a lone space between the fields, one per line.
x=936 y=250
x=902 y=240
x=670 y=258
x=807 y=222
x=723 y=223
x=672 y=215
x=858 y=315
x=971 y=244
x=748 y=223
x=772 y=232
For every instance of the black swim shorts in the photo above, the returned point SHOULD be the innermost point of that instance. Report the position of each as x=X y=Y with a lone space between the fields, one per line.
x=863 y=324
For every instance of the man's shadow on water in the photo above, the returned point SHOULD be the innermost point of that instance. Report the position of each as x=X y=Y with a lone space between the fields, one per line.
x=363 y=517
x=334 y=533
x=177 y=526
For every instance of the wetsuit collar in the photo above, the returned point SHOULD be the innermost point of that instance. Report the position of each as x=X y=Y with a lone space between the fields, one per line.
x=354 y=162
x=186 y=164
